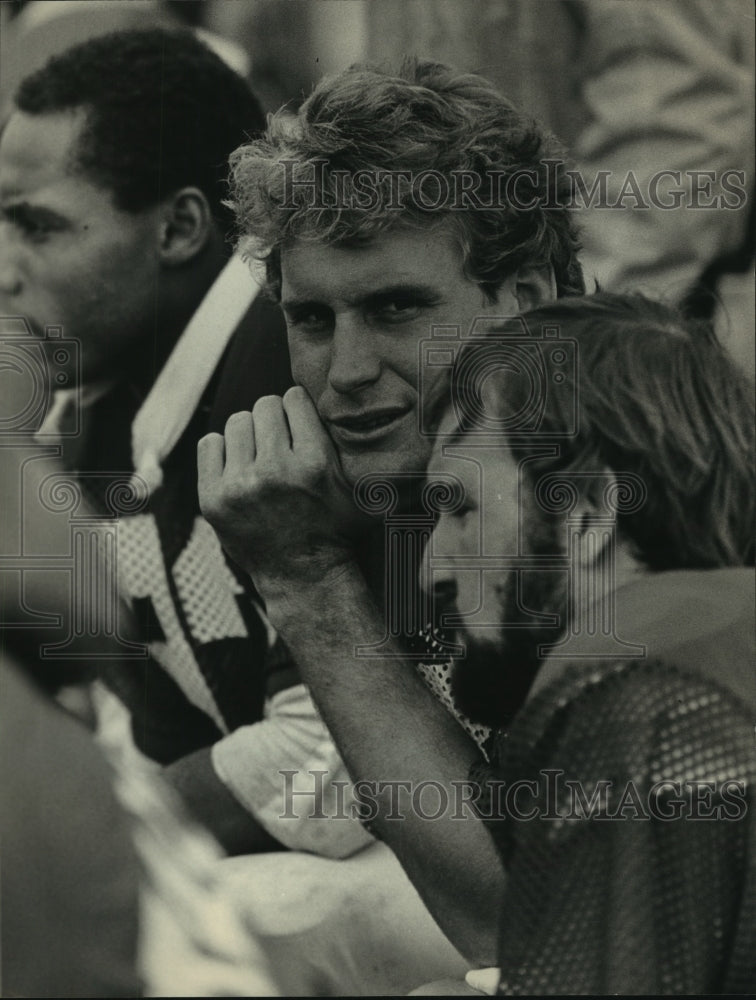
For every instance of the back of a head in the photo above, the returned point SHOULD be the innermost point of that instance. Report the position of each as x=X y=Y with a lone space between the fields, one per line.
x=372 y=149
x=656 y=395
x=163 y=112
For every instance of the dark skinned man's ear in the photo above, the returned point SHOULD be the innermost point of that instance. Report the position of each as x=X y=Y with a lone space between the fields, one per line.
x=534 y=286
x=187 y=225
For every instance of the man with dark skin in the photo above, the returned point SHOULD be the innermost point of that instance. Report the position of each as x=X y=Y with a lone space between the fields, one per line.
x=113 y=168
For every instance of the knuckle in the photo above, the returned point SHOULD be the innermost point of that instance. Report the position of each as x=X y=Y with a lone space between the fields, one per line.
x=237 y=492
x=208 y=503
x=313 y=464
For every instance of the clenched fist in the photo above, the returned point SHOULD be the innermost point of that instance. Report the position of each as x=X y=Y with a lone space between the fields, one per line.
x=273 y=489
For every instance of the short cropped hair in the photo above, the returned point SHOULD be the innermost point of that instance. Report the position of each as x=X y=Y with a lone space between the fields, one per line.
x=334 y=173
x=654 y=394
x=162 y=112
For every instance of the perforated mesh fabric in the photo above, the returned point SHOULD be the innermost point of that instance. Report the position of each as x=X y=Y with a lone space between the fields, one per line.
x=614 y=897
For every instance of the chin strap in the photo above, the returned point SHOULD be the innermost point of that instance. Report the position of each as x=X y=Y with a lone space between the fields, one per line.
x=171 y=402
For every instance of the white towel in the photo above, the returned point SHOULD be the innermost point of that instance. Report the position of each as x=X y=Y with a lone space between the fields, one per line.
x=171 y=402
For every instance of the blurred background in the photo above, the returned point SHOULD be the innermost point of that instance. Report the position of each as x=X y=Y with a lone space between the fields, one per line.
x=640 y=87
x=655 y=97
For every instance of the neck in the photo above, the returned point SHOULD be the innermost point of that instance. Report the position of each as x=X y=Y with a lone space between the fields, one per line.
x=181 y=291
x=595 y=579
x=627 y=567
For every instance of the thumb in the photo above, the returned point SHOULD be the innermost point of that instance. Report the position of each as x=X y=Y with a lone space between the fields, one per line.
x=484 y=980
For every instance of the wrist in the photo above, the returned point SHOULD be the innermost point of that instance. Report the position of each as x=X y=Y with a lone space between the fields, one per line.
x=337 y=588
x=306 y=562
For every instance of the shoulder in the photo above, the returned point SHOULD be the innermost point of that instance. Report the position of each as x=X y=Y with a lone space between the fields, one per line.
x=682 y=709
x=647 y=720
x=700 y=622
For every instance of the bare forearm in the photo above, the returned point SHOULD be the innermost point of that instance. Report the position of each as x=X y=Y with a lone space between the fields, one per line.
x=274 y=490
x=211 y=803
x=395 y=735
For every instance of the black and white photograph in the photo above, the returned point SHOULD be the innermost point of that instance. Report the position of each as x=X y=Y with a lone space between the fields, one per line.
x=377 y=498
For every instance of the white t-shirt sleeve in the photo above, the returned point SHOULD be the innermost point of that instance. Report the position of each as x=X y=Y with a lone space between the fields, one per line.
x=286 y=772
